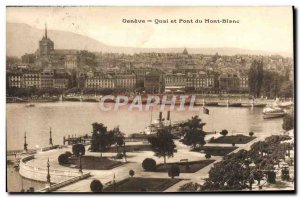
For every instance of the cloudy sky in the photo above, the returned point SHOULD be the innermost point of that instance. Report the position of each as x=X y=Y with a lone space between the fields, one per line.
x=259 y=28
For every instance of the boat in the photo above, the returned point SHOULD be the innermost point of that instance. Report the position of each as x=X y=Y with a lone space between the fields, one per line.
x=236 y=104
x=273 y=112
x=211 y=104
x=155 y=125
x=29 y=105
x=285 y=104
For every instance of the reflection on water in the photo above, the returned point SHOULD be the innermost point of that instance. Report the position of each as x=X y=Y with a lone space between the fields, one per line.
x=69 y=118
x=15 y=182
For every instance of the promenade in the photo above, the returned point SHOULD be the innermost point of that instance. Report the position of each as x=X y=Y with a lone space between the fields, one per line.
x=134 y=160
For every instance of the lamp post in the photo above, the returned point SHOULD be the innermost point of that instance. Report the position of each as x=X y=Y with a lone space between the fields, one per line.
x=25 y=143
x=48 y=173
x=50 y=138
x=80 y=164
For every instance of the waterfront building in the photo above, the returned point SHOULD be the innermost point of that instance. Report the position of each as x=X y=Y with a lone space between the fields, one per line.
x=125 y=81
x=47 y=78
x=14 y=79
x=60 y=81
x=200 y=82
x=229 y=83
x=31 y=79
x=100 y=82
x=244 y=84
x=175 y=82
x=153 y=82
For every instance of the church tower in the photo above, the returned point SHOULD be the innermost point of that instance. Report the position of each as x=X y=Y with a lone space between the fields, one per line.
x=46 y=46
x=46 y=50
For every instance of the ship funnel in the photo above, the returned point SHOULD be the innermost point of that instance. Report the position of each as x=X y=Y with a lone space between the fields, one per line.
x=160 y=116
x=169 y=115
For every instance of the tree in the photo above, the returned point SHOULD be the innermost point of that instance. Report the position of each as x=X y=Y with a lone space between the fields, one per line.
x=78 y=150
x=162 y=144
x=286 y=89
x=149 y=164
x=251 y=134
x=102 y=139
x=207 y=156
x=174 y=171
x=131 y=173
x=228 y=174
x=193 y=132
x=96 y=186
x=118 y=138
x=63 y=159
x=258 y=175
x=224 y=132
x=255 y=77
x=288 y=122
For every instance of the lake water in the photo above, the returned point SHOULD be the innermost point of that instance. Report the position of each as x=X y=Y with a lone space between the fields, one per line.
x=70 y=118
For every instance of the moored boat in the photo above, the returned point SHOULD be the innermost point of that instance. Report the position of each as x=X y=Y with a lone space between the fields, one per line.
x=29 y=105
x=273 y=112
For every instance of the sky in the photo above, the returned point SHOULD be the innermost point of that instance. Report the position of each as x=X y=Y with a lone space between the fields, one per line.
x=259 y=28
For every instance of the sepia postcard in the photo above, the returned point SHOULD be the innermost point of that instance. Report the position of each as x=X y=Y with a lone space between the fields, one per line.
x=150 y=99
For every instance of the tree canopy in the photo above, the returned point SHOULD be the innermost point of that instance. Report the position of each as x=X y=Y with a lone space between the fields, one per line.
x=163 y=144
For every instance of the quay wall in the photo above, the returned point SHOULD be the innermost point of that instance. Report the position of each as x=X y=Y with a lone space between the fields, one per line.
x=40 y=174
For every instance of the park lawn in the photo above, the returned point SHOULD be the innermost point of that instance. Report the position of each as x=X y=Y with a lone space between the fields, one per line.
x=193 y=166
x=215 y=150
x=138 y=184
x=96 y=163
x=237 y=139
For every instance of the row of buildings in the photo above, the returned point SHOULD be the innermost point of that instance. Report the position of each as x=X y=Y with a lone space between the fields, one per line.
x=39 y=80
x=148 y=72
x=149 y=81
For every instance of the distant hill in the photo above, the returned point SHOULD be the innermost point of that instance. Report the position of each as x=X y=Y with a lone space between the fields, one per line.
x=22 y=38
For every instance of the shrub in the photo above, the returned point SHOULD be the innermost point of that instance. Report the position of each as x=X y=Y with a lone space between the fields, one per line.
x=149 y=164
x=68 y=153
x=271 y=177
x=63 y=159
x=190 y=187
x=288 y=122
x=251 y=134
x=119 y=156
x=78 y=149
x=207 y=155
x=174 y=171
x=131 y=173
x=224 y=132
x=96 y=186
x=233 y=144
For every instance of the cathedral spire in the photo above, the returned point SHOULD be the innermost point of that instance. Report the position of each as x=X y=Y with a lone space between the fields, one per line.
x=45 y=30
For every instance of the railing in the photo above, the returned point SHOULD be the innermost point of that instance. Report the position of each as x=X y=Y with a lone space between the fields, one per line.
x=39 y=174
x=50 y=148
x=65 y=183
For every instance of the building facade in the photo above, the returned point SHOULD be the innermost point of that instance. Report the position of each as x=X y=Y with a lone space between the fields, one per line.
x=100 y=82
x=47 y=79
x=14 y=79
x=31 y=80
x=125 y=81
x=153 y=82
